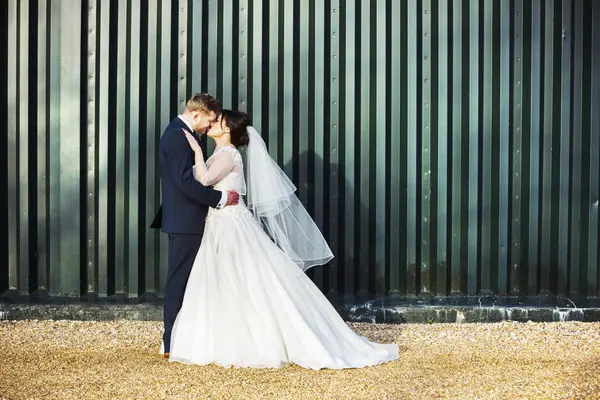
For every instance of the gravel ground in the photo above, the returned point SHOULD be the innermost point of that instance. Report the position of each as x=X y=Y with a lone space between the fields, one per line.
x=119 y=360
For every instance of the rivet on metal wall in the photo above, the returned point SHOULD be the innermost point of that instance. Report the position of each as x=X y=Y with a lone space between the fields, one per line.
x=243 y=9
x=335 y=10
x=242 y=102
x=181 y=79
x=243 y=33
x=243 y=56
x=182 y=56
x=242 y=79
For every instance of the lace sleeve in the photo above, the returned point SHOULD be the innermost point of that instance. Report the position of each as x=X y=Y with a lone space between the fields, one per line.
x=221 y=164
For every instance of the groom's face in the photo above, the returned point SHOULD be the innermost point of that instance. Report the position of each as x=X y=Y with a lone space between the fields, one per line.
x=202 y=122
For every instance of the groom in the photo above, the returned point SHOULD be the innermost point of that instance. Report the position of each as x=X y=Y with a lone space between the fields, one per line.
x=185 y=201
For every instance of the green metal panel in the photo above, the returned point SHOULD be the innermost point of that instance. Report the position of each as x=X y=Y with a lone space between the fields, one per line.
x=444 y=147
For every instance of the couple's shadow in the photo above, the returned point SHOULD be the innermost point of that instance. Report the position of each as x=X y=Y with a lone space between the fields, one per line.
x=343 y=278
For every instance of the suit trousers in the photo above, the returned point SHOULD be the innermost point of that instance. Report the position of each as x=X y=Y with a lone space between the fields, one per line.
x=182 y=253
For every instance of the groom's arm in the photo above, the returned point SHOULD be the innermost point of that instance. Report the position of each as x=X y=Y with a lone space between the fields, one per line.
x=176 y=147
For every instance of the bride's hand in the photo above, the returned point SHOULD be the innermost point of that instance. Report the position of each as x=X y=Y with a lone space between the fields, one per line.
x=192 y=141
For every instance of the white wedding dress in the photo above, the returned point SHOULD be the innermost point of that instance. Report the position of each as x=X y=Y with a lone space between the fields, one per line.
x=248 y=305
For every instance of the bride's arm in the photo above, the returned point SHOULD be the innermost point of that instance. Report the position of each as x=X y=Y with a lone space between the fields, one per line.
x=221 y=164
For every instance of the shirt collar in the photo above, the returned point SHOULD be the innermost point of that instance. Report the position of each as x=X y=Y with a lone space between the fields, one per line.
x=186 y=122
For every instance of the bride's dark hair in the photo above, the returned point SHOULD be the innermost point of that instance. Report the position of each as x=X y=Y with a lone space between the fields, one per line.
x=237 y=122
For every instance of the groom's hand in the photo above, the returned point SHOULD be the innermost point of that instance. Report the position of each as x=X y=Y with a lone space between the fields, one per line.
x=232 y=198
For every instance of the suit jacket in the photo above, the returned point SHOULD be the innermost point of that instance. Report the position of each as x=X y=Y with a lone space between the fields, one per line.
x=185 y=201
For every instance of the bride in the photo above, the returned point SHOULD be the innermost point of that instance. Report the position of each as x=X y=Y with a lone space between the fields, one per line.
x=248 y=302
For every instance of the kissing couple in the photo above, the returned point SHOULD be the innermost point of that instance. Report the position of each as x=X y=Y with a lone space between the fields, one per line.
x=236 y=293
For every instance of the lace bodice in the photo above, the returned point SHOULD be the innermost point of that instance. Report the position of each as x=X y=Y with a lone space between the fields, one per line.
x=234 y=180
x=224 y=170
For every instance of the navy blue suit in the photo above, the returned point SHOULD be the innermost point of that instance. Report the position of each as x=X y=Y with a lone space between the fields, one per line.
x=182 y=215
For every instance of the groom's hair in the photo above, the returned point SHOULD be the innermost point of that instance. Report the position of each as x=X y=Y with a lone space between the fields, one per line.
x=204 y=103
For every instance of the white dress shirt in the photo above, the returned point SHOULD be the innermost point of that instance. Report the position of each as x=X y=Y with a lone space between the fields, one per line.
x=223 y=201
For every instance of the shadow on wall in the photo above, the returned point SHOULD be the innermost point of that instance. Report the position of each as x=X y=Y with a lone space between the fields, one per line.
x=360 y=269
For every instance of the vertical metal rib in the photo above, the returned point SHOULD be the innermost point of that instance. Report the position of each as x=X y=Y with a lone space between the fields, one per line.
x=457 y=284
x=504 y=140
x=23 y=144
x=103 y=133
x=244 y=62
x=255 y=39
x=135 y=167
x=535 y=102
x=443 y=136
x=381 y=165
x=412 y=245
x=303 y=103
x=594 y=175
x=91 y=239
x=334 y=135
x=273 y=30
x=397 y=131
x=317 y=23
x=487 y=151
x=163 y=103
x=576 y=151
x=286 y=136
x=120 y=238
x=12 y=143
x=547 y=263
x=347 y=44
x=152 y=195
x=517 y=137
x=474 y=162
x=229 y=58
x=426 y=145
x=565 y=148
x=69 y=152
x=43 y=35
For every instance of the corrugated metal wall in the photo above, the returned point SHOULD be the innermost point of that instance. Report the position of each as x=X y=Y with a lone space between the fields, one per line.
x=445 y=147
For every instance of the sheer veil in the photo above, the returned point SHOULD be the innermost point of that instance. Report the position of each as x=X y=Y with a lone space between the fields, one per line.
x=270 y=196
